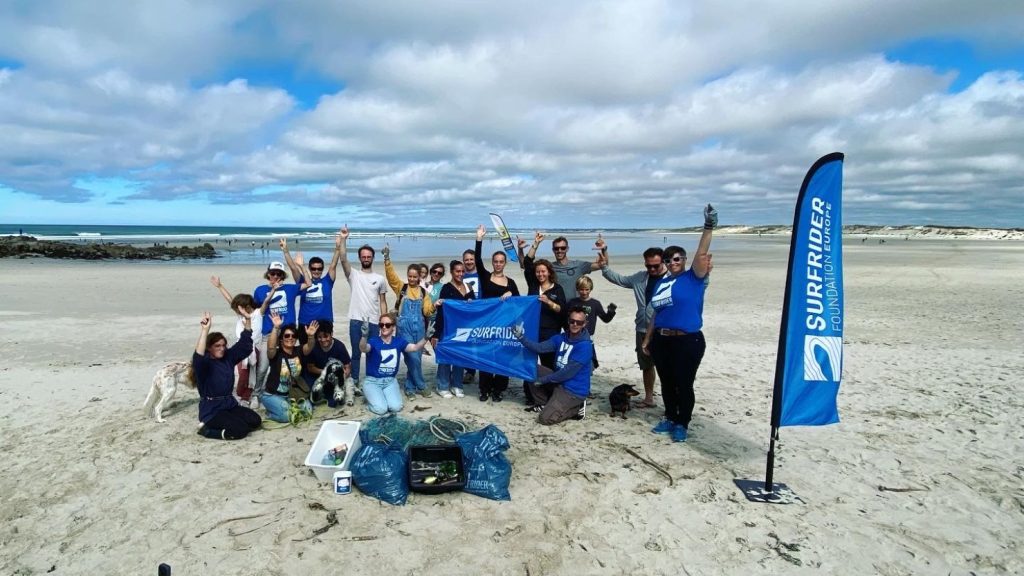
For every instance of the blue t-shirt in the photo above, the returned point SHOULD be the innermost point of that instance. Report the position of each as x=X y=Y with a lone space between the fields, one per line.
x=679 y=302
x=315 y=302
x=581 y=351
x=283 y=303
x=382 y=361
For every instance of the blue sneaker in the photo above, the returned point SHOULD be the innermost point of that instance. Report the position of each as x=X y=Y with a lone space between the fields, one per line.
x=679 y=433
x=663 y=427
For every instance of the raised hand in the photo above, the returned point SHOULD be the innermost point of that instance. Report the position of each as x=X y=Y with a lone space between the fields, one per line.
x=364 y=329
x=338 y=238
x=480 y=232
x=276 y=319
x=283 y=243
x=710 y=217
x=538 y=237
x=205 y=320
x=299 y=260
x=599 y=244
x=311 y=329
x=343 y=232
x=215 y=280
x=520 y=242
x=386 y=252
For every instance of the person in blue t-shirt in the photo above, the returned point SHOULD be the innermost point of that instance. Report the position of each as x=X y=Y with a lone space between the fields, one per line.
x=674 y=338
x=315 y=302
x=282 y=302
x=561 y=393
x=380 y=387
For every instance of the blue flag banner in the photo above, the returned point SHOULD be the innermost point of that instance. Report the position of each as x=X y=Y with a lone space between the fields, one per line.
x=478 y=334
x=810 y=362
x=506 y=238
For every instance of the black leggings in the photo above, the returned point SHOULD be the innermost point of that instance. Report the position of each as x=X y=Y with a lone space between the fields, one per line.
x=677 y=359
x=233 y=424
x=492 y=383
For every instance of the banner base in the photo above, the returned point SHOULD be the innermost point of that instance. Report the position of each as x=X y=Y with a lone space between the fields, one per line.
x=754 y=491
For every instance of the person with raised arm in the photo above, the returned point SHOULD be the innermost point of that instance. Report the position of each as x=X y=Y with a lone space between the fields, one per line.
x=414 y=307
x=674 y=338
x=493 y=284
x=211 y=372
x=247 y=313
x=287 y=359
x=368 y=299
x=317 y=301
x=542 y=281
x=382 y=359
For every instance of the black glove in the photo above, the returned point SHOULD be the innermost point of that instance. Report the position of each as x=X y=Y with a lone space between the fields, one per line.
x=518 y=332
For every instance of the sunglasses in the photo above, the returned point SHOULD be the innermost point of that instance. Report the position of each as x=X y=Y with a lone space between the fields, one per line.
x=386 y=324
x=560 y=248
x=678 y=259
x=318 y=269
x=577 y=322
x=287 y=336
x=652 y=266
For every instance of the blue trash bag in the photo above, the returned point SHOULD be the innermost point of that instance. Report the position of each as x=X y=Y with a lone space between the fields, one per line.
x=380 y=470
x=488 y=471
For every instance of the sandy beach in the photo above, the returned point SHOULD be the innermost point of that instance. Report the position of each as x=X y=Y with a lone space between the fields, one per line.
x=924 y=475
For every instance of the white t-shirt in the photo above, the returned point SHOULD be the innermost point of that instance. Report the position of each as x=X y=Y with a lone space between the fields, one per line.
x=364 y=305
x=257 y=333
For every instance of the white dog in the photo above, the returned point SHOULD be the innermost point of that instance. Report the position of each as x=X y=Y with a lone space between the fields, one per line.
x=165 y=384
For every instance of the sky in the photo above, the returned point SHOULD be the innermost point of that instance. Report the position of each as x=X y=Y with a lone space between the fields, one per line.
x=553 y=113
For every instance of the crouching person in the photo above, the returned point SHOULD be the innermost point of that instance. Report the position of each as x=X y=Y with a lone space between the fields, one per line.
x=213 y=374
x=285 y=382
x=380 y=387
x=562 y=394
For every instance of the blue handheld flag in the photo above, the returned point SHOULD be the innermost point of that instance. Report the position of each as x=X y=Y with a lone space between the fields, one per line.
x=478 y=334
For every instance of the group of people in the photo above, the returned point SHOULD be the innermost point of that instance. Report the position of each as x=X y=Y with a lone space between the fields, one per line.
x=286 y=345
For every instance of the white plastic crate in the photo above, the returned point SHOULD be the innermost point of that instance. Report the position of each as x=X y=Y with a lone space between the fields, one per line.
x=332 y=433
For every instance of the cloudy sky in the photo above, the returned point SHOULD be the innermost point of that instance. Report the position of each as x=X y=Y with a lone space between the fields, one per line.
x=555 y=113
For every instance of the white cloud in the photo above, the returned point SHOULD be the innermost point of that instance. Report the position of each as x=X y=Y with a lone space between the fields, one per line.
x=622 y=111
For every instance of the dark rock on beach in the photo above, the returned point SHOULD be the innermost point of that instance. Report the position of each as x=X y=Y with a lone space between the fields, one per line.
x=28 y=247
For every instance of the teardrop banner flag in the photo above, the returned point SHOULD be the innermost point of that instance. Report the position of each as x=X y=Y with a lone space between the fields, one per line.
x=809 y=364
x=506 y=239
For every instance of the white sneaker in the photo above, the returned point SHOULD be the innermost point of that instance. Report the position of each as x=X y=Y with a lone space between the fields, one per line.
x=444 y=394
x=459 y=393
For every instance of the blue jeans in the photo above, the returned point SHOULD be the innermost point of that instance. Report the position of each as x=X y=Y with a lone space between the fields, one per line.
x=414 y=371
x=277 y=407
x=354 y=336
x=449 y=376
x=382 y=394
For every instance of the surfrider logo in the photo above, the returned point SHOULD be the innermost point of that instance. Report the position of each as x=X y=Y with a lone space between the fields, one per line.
x=663 y=294
x=823 y=358
x=462 y=334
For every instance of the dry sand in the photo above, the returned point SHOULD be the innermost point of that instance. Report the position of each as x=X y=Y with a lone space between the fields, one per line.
x=924 y=475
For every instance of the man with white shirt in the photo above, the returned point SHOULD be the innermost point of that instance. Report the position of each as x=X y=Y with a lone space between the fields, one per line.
x=368 y=301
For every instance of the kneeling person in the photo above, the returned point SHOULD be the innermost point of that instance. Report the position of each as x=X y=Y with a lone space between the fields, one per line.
x=329 y=348
x=380 y=387
x=561 y=394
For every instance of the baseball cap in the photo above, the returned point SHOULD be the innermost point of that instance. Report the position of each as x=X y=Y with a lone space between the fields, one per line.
x=276 y=266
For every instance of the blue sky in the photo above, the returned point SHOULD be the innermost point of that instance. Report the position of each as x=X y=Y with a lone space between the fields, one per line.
x=554 y=113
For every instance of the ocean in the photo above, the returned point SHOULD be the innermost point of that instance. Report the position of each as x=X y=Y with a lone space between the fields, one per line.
x=255 y=245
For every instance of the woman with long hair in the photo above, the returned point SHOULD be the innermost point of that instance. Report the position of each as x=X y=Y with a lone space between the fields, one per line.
x=284 y=380
x=493 y=284
x=541 y=280
x=212 y=372
x=414 y=307
x=449 y=378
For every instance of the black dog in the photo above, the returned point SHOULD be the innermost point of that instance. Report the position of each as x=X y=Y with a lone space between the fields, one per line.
x=619 y=398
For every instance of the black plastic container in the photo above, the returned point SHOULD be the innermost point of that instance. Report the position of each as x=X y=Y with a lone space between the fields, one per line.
x=435 y=455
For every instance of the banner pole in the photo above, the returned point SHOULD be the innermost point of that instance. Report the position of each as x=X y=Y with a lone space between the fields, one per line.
x=770 y=466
